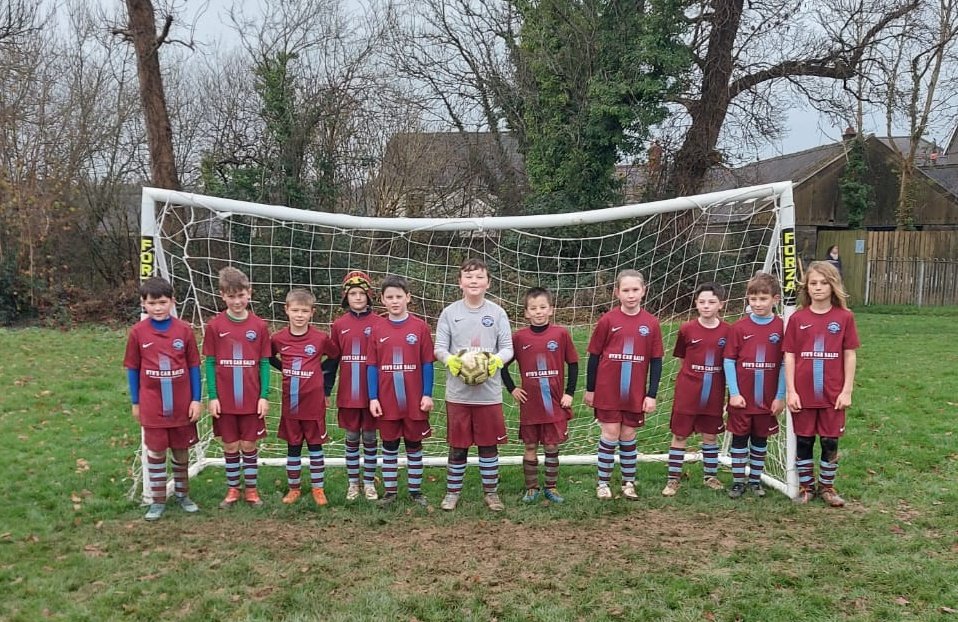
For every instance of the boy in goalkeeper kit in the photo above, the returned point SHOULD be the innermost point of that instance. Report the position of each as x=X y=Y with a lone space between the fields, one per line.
x=350 y=332
x=163 y=370
x=400 y=379
x=474 y=412
x=237 y=349
x=545 y=392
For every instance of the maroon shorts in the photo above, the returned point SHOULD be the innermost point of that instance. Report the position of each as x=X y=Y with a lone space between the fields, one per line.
x=233 y=428
x=826 y=422
x=408 y=429
x=741 y=424
x=295 y=431
x=625 y=417
x=545 y=433
x=355 y=419
x=685 y=425
x=161 y=439
x=482 y=425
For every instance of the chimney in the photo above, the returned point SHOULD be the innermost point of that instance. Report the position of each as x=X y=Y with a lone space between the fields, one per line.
x=849 y=133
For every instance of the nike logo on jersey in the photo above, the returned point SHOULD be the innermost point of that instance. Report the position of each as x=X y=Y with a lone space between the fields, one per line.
x=695 y=341
x=344 y=331
x=747 y=337
x=616 y=329
x=425 y=432
x=803 y=326
x=261 y=432
x=457 y=319
x=500 y=438
x=224 y=334
x=527 y=346
x=382 y=339
x=147 y=345
x=284 y=348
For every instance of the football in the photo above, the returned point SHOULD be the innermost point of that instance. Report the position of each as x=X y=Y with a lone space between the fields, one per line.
x=475 y=366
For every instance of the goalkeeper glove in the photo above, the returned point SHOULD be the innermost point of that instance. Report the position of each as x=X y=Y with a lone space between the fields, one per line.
x=454 y=364
x=495 y=364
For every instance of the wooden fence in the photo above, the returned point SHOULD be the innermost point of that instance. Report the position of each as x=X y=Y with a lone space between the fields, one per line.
x=920 y=282
x=897 y=267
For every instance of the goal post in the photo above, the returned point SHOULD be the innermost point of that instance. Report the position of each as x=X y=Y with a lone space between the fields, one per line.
x=677 y=243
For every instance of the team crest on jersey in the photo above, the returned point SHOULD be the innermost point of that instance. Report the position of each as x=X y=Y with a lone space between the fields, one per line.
x=833 y=327
x=721 y=342
x=411 y=339
x=487 y=321
x=178 y=344
x=552 y=346
x=251 y=335
x=367 y=330
x=644 y=330
x=310 y=350
x=774 y=338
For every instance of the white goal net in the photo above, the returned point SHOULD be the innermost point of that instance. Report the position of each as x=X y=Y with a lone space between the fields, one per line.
x=723 y=237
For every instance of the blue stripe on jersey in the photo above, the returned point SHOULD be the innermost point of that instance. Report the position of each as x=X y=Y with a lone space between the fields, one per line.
x=707 y=380
x=544 y=389
x=399 y=380
x=238 y=374
x=759 y=376
x=354 y=377
x=625 y=375
x=818 y=369
x=294 y=386
x=166 y=387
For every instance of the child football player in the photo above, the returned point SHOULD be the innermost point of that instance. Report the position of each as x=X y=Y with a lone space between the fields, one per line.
x=474 y=412
x=300 y=349
x=350 y=332
x=163 y=371
x=820 y=343
x=625 y=352
x=237 y=350
x=545 y=392
x=756 y=382
x=400 y=369
x=699 y=388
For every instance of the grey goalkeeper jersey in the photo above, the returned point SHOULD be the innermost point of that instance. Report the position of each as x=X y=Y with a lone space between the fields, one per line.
x=463 y=328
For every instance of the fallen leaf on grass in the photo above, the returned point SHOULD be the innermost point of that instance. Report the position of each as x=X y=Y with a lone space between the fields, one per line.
x=897 y=530
x=82 y=465
x=901 y=600
x=947 y=610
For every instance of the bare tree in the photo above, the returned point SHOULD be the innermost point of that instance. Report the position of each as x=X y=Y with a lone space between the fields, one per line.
x=919 y=79
x=741 y=51
x=141 y=32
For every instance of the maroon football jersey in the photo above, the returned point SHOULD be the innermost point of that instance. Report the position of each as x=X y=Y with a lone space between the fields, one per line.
x=757 y=352
x=164 y=359
x=400 y=350
x=700 y=385
x=301 y=357
x=238 y=348
x=625 y=345
x=351 y=333
x=542 y=358
x=818 y=341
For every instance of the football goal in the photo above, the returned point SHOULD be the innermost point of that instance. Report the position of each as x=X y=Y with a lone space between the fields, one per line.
x=678 y=243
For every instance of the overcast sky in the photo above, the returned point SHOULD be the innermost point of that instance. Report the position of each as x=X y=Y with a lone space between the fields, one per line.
x=806 y=127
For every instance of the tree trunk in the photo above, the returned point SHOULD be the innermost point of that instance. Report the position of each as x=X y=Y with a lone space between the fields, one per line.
x=159 y=133
x=697 y=153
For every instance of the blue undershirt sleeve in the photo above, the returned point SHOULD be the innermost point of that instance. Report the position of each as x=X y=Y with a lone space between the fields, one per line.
x=196 y=384
x=655 y=375
x=372 y=381
x=427 y=379
x=731 y=379
x=133 y=380
x=780 y=393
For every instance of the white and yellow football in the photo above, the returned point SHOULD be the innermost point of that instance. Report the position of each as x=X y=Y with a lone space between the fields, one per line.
x=475 y=366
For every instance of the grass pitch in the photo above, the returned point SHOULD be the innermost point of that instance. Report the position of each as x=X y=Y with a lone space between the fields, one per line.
x=73 y=547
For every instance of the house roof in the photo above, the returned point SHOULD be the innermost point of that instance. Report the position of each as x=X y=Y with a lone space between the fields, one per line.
x=946 y=175
x=796 y=167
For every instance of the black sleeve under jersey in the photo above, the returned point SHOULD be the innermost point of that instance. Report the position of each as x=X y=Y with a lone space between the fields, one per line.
x=507 y=377
x=572 y=379
x=592 y=372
